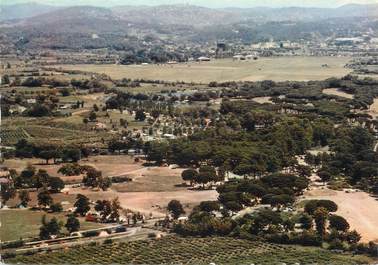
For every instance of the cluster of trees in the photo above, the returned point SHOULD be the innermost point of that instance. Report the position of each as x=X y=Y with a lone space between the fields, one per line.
x=29 y=178
x=204 y=175
x=118 y=145
x=276 y=189
x=154 y=55
x=25 y=149
x=86 y=84
x=52 y=228
x=46 y=201
x=73 y=169
x=9 y=192
x=32 y=178
x=109 y=210
x=316 y=224
x=94 y=179
x=248 y=152
x=353 y=157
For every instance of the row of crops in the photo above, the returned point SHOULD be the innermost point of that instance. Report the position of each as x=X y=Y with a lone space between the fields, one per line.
x=64 y=136
x=177 y=250
x=10 y=136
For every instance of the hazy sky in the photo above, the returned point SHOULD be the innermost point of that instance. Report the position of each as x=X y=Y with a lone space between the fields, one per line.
x=208 y=3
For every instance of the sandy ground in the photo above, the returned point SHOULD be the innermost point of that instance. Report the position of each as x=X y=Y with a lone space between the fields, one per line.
x=263 y=100
x=152 y=202
x=109 y=165
x=373 y=110
x=270 y=68
x=337 y=92
x=360 y=209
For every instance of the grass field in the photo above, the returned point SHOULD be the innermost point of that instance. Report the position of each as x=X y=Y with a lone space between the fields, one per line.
x=24 y=223
x=176 y=250
x=273 y=68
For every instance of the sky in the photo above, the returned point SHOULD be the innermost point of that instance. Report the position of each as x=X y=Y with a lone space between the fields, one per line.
x=207 y=3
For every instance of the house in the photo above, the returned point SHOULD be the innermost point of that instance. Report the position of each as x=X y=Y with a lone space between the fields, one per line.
x=17 y=109
x=31 y=101
x=169 y=136
x=100 y=126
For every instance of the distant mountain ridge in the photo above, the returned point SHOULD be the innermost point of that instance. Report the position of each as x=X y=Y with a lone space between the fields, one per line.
x=22 y=11
x=182 y=14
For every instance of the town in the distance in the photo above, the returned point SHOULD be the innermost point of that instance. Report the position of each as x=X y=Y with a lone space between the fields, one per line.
x=185 y=134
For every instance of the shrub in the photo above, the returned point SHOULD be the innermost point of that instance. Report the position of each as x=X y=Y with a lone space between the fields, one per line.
x=152 y=235
x=8 y=255
x=108 y=241
x=56 y=207
x=91 y=233
x=13 y=244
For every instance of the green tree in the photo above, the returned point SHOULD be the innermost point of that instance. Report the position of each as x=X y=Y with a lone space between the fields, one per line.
x=49 y=228
x=92 y=178
x=56 y=184
x=105 y=209
x=5 y=80
x=140 y=115
x=339 y=223
x=44 y=198
x=56 y=207
x=24 y=197
x=82 y=204
x=320 y=216
x=104 y=183
x=7 y=192
x=47 y=155
x=306 y=221
x=115 y=208
x=175 y=208
x=189 y=175
x=209 y=206
x=92 y=116
x=72 y=224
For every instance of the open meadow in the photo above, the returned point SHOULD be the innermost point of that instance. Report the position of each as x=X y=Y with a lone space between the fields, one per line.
x=24 y=223
x=272 y=68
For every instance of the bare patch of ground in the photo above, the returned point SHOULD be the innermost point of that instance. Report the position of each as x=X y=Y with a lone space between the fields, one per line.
x=151 y=202
x=359 y=208
x=271 y=68
x=109 y=165
x=152 y=179
x=263 y=100
x=337 y=92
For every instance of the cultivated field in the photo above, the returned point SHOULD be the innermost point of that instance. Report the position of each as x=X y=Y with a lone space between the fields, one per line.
x=272 y=68
x=176 y=250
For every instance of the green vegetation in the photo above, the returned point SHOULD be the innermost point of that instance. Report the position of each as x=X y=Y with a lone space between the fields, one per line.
x=18 y=224
x=176 y=250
